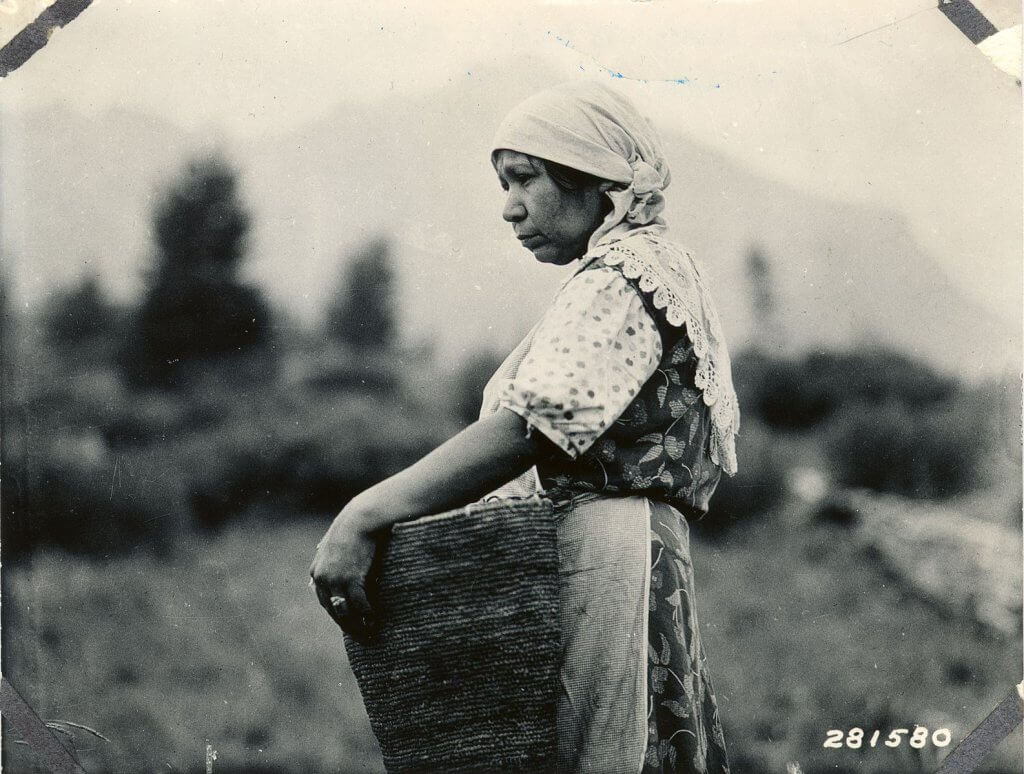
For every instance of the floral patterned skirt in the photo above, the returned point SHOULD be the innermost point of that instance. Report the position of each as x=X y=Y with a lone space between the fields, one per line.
x=636 y=695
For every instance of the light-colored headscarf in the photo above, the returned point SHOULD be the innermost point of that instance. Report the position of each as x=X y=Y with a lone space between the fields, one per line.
x=591 y=127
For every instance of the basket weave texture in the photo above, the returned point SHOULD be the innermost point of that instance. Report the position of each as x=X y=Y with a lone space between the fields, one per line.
x=463 y=674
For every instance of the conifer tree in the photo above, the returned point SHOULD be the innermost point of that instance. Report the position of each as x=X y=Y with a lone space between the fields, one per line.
x=196 y=311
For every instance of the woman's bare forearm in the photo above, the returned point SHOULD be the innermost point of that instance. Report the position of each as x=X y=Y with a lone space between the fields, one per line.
x=482 y=457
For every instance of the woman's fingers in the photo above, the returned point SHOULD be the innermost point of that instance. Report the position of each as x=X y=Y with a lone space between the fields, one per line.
x=348 y=606
x=331 y=602
x=359 y=615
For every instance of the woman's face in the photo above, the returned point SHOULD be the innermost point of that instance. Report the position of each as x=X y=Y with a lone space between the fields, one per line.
x=552 y=223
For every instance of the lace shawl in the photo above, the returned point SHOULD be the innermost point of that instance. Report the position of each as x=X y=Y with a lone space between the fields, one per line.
x=673 y=279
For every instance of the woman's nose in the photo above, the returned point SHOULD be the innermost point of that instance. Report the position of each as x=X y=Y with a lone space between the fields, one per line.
x=514 y=210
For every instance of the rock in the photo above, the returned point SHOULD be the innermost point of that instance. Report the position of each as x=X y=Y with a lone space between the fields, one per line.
x=961 y=564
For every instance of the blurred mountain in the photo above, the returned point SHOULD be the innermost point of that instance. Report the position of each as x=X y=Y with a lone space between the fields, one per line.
x=79 y=192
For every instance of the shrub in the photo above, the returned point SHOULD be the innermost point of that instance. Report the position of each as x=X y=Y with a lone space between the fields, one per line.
x=757 y=487
x=932 y=452
x=800 y=394
x=341 y=370
x=61 y=485
x=74 y=495
x=310 y=455
x=473 y=376
x=100 y=470
x=775 y=392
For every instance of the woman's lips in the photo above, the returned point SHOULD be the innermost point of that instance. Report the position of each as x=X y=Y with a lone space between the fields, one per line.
x=530 y=241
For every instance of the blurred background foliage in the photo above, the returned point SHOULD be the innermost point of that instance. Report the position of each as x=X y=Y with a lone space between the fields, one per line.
x=153 y=453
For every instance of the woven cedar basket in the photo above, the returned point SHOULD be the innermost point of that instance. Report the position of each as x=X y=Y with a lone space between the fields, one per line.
x=463 y=674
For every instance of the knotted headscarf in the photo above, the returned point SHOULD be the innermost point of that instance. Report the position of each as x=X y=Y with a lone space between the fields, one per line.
x=591 y=127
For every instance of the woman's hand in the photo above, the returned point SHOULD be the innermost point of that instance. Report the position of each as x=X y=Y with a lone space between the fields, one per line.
x=483 y=456
x=340 y=568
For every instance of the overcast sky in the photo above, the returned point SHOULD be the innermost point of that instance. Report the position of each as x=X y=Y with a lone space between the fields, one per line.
x=909 y=115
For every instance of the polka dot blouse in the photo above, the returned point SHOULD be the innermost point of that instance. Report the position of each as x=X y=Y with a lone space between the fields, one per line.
x=586 y=361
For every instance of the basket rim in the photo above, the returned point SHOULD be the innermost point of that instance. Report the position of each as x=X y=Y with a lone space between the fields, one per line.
x=473 y=508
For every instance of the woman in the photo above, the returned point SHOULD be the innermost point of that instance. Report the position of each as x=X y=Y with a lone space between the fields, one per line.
x=619 y=405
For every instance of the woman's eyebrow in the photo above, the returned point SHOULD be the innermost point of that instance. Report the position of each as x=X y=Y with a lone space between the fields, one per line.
x=513 y=166
x=517 y=169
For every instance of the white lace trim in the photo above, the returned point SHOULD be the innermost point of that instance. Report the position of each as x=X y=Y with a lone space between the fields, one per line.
x=673 y=278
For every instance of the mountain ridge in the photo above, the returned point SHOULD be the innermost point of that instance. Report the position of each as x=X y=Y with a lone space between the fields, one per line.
x=841 y=271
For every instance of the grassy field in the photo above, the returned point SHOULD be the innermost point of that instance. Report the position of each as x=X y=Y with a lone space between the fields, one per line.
x=223 y=644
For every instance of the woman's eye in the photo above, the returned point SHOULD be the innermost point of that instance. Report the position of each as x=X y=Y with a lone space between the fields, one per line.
x=516 y=178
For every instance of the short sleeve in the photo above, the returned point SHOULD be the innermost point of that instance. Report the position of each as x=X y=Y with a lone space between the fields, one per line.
x=593 y=350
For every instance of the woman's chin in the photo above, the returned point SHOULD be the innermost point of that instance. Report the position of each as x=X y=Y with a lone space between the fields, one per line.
x=547 y=253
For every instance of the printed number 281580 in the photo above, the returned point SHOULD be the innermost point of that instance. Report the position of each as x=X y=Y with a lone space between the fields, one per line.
x=918 y=738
